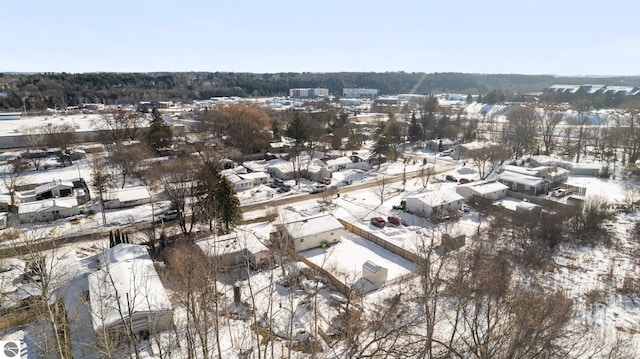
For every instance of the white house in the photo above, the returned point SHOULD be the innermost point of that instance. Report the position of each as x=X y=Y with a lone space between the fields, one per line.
x=311 y=232
x=239 y=183
x=339 y=163
x=440 y=144
x=434 y=202
x=47 y=209
x=486 y=189
x=237 y=248
x=126 y=290
x=280 y=169
x=127 y=197
x=258 y=178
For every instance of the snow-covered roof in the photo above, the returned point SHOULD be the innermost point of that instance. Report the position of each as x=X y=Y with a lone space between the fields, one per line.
x=47 y=205
x=53 y=184
x=438 y=198
x=254 y=175
x=486 y=187
x=344 y=160
x=521 y=170
x=476 y=145
x=313 y=225
x=126 y=279
x=232 y=242
x=128 y=194
x=520 y=178
x=231 y=176
x=281 y=164
x=527 y=206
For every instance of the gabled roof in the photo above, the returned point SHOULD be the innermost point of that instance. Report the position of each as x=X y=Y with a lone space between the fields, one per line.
x=127 y=278
x=47 y=205
x=313 y=225
x=230 y=243
x=344 y=160
x=520 y=178
x=486 y=187
x=438 y=198
x=128 y=194
x=53 y=184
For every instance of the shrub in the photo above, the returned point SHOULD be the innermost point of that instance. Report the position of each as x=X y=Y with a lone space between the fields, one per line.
x=11 y=233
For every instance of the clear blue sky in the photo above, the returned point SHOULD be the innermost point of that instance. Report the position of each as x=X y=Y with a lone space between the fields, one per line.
x=564 y=37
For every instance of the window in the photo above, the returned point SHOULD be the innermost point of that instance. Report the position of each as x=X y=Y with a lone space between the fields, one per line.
x=526 y=187
x=301 y=240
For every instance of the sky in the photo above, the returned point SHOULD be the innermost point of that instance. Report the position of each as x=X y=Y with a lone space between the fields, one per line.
x=560 y=37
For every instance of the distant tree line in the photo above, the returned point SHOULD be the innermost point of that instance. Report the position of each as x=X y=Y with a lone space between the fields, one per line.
x=59 y=90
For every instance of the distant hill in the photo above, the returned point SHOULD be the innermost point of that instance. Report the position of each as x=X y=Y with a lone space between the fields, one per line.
x=42 y=90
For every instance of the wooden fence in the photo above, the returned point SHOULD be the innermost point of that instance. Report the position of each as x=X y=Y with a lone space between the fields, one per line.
x=380 y=242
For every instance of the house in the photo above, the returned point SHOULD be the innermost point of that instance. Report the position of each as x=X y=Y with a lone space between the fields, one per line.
x=486 y=189
x=126 y=292
x=543 y=160
x=257 y=178
x=47 y=209
x=3 y=220
x=524 y=183
x=239 y=183
x=464 y=150
x=54 y=189
x=339 y=163
x=280 y=169
x=434 y=203
x=585 y=169
x=555 y=174
x=237 y=248
x=439 y=145
x=127 y=197
x=366 y=158
x=311 y=232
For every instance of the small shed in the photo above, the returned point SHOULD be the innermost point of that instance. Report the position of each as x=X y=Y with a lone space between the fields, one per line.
x=127 y=197
x=374 y=273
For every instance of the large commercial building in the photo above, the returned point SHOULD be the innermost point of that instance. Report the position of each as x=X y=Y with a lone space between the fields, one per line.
x=359 y=93
x=308 y=92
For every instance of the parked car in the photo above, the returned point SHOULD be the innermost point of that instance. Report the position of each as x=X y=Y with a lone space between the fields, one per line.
x=168 y=215
x=284 y=188
x=451 y=178
x=464 y=180
x=378 y=222
x=396 y=220
x=317 y=189
x=325 y=180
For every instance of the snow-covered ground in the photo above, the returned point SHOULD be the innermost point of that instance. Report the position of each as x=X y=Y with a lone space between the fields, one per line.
x=580 y=272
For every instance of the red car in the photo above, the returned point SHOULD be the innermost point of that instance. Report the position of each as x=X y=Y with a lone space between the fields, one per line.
x=378 y=222
x=396 y=220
